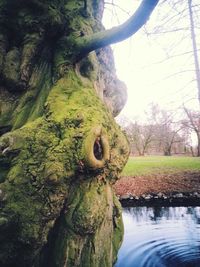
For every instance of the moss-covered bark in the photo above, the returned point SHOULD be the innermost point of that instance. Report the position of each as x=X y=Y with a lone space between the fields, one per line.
x=60 y=148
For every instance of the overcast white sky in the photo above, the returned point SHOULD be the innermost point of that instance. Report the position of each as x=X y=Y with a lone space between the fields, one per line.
x=141 y=60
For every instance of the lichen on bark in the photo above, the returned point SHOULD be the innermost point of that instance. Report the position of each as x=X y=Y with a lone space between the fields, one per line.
x=56 y=207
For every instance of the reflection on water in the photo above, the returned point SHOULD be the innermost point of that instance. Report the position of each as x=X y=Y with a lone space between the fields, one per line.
x=160 y=237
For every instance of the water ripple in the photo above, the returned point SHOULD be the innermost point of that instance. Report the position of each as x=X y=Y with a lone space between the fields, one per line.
x=160 y=237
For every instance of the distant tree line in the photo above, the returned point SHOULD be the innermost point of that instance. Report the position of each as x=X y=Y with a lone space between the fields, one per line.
x=163 y=133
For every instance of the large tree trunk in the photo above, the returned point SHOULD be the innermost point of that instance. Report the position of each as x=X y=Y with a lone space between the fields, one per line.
x=61 y=149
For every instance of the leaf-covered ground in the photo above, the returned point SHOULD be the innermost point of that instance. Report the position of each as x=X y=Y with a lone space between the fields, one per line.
x=155 y=183
x=145 y=175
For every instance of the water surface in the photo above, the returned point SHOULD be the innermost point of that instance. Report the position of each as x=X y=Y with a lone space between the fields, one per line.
x=160 y=237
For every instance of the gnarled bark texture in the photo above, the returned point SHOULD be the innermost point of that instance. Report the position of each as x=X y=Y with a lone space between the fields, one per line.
x=60 y=148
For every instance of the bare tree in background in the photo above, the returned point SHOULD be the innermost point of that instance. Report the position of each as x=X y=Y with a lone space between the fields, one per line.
x=193 y=123
x=180 y=26
x=161 y=134
x=140 y=137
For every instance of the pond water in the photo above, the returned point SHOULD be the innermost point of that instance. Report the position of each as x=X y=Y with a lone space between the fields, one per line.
x=160 y=237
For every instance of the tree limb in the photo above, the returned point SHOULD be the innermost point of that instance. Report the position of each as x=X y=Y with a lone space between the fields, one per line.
x=97 y=40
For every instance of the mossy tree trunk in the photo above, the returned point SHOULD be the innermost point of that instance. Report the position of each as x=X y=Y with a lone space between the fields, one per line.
x=60 y=148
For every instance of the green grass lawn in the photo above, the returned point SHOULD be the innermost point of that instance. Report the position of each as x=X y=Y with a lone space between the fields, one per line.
x=151 y=164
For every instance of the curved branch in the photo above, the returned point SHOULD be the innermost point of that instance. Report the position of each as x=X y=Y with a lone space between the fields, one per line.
x=97 y=40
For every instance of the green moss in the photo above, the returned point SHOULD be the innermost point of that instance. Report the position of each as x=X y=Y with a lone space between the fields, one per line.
x=55 y=209
x=54 y=172
x=16 y=171
x=49 y=168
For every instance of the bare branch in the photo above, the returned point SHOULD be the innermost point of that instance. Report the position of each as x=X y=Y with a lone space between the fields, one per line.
x=97 y=40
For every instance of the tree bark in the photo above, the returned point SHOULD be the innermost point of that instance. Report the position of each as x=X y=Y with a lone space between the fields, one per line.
x=60 y=148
